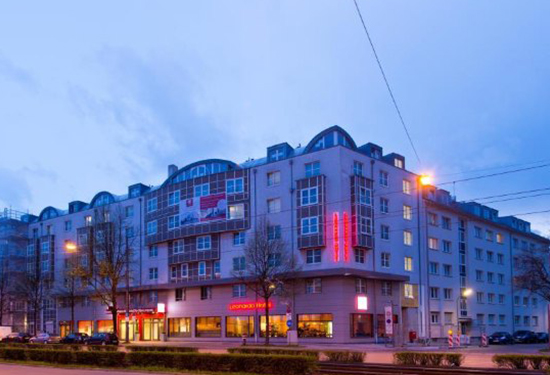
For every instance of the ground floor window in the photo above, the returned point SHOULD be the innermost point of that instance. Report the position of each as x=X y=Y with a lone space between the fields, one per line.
x=65 y=328
x=237 y=326
x=315 y=325
x=179 y=327
x=208 y=326
x=277 y=326
x=86 y=326
x=105 y=326
x=362 y=325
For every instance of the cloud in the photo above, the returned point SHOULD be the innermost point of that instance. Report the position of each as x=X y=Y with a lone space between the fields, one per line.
x=14 y=189
x=17 y=74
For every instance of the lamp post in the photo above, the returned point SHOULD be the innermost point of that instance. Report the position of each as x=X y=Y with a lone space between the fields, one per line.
x=465 y=293
x=71 y=248
x=422 y=181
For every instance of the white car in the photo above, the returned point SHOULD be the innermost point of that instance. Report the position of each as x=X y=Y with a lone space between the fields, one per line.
x=44 y=338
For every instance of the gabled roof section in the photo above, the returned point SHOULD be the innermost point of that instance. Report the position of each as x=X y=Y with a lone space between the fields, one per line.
x=333 y=136
x=201 y=168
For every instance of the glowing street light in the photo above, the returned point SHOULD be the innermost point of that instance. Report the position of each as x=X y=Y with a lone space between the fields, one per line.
x=70 y=247
x=467 y=292
x=426 y=179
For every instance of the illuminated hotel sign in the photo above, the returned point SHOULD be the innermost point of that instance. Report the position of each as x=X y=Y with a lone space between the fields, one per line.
x=249 y=306
x=362 y=303
x=336 y=237
x=346 y=237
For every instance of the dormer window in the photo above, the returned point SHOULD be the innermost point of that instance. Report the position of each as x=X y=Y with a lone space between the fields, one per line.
x=398 y=163
x=277 y=154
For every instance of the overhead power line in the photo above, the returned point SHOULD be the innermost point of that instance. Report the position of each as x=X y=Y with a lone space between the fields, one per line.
x=386 y=80
x=494 y=174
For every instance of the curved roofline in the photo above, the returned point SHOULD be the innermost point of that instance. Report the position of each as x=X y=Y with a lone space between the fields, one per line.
x=92 y=202
x=194 y=164
x=325 y=132
x=48 y=209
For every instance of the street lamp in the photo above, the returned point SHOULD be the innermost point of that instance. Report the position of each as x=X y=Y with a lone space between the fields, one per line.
x=70 y=247
x=465 y=293
x=425 y=179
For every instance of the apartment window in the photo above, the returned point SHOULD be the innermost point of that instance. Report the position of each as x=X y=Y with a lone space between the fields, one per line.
x=408 y=291
x=407 y=237
x=206 y=292
x=398 y=163
x=480 y=296
x=489 y=235
x=433 y=243
x=310 y=225
x=406 y=187
x=385 y=259
x=434 y=293
x=174 y=198
x=153 y=251
x=173 y=222
x=360 y=286
x=479 y=275
x=202 y=190
x=239 y=238
x=448 y=317
x=273 y=178
x=447 y=245
x=490 y=297
x=174 y=272
x=153 y=273
x=309 y=196
x=87 y=221
x=446 y=222
x=387 y=288
x=273 y=232
x=491 y=319
x=239 y=290
x=434 y=317
x=502 y=319
x=407 y=212
x=274 y=205
x=516 y=320
x=477 y=232
x=239 y=263
x=448 y=293
x=177 y=247
x=313 y=169
x=313 y=286
x=501 y=278
x=479 y=254
x=274 y=260
x=151 y=227
x=234 y=186
x=434 y=268
x=359 y=256
x=184 y=270
x=68 y=225
x=447 y=270
x=500 y=258
x=357 y=168
x=383 y=178
x=236 y=211
x=202 y=269
x=408 y=264
x=501 y=299
x=180 y=294
x=490 y=256
x=204 y=243
x=432 y=218
x=365 y=225
x=313 y=256
x=152 y=205
x=384 y=205
x=500 y=238
x=384 y=232
x=129 y=211
x=490 y=277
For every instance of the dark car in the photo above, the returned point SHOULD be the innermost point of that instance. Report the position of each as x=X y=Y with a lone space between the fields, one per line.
x=503 y=338
x=17 y=337
x=525 y=337
x=74 y=338
x=542 y=336
x=102 y=339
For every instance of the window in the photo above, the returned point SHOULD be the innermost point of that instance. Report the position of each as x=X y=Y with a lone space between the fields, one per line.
x=448 y=316
x=500 y=258
x=129 y=211
x=446 y=222
x=180 y=294
x=477 y=232
x=516 y=300
x=365 y=225
x=525 y=301
x=357 y=168
x=406 y=187
x=500 y=238
x=365 y=196
x=433 y=243
x=68 y=225
x=491 y=319
x=359 y=256
x=408 y=291
x=434 y=293
x=153 y=251
x=384 y=232
x=129 y=232
x=217 y=268
x=201 y=190
x=490 y=256
x=273 y=178
x=151 y=227
x=434 y=268
x=174 y=272
x=173 y=222
x=383 y=178
x=153 y=296
x=239 y=290
x=489 y=235
x=152 y=205
x=177 y=247
x=87 y=221
x=179 y=327
x=490 y=297
x=273 y=232
x=360 y=286
x=502 y=319
x=315 y=325
x=206 y=292
x=202 y=269
x=387 y=288
x=516 y=320
x=501 y=299
x=385 y=260
x=490 y=277
x=208 y=326
x=235 y=211
x=310 y=225
x=234 y=186
x=447 y=270
x=447 y=293
x=447 y=245
x=239 y=326
x=313 y=169
x=526 y=321
x=535 y=320
x=277 y=326
x=239 y=263
x=480 y=296
x=479 y=254
x=204 y=243
x=274 y=205
x=384 y=205
x=239 y=238
x=407 y=212
x=434 y=317
x=362 y=325
x=309 y=196
x=398 y=163
x=153 y=273
x=501 y=279
x=479 y=275
x=407 y=237
x=408 y=264
x=313 y=286
x=174 y=198
x=432 y=218
x=184 y=270
x=313 y=256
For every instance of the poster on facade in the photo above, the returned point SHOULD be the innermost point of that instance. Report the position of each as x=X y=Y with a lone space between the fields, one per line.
x=203 y=209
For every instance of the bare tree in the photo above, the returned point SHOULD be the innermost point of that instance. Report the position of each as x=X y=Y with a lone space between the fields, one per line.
x=4 y=294
x=34 y=288
x=71 y=287
x=269 y=267
x=532 y=271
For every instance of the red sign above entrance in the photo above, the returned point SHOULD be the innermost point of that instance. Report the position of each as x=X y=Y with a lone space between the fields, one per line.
x=249 y=306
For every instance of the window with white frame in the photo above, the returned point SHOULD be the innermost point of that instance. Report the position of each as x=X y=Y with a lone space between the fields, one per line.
x=407 y=237
x=201 y=190
x=360 y=286
x=432 y=218
x=202 y=268
x=174 y=198
x=365 y=225
x=383 y=178
x=184 y=270
x=173 y=222
x=433 y=243
x=384 y=232
x=151 y=205
x=310 y=225
x=239 y=263
x=313 y=169
x=447 y=246
x=234 y=186
x=385 y=260
x=387 y=288
x=309 y=196
x=151 y=227
x=408 y=291
x=434 y=317
x=273 y=178
x=239 y=238
x=407 y=212
x=235 y=211
x=313 y=256
x=153 y=251
x=433 y=268
x=384 y=205
x=273 y=232
x=239 y=290
x=406 y=187
x=359 y=256
x=204 y=242
x=177 y=247
x=447 y=293
x=365 y=196
x=408 y=264
x=153 y=273
x=357 y=168
x=274 y=205
x=313 y=286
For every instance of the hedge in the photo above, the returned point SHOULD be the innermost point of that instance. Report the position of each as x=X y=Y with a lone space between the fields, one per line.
x=41 y=346
x=275 y=351
x=522 y=361
x=102 y=348
x=345 y=356
x=94 y=358
x=428 y=359
x=177 y=349
x=261 y=364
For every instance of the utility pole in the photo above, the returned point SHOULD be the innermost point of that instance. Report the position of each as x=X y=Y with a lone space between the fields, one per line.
x=127 y=292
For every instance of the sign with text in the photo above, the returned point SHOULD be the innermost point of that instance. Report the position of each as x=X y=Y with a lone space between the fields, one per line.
x=249 y=306
x=203 y=209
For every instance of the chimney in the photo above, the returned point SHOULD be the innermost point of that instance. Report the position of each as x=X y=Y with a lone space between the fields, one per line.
x=172 y=168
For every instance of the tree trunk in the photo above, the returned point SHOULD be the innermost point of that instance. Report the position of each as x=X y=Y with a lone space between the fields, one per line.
x=267 y=327
x=73 y=330
x=35 y=313
x=114 y=315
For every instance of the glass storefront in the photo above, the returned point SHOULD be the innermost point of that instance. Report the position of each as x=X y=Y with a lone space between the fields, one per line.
x=86 y=326
x=362 y=325
x=208 y=326
x=237 y=326
x=152 y=328
x=179 y=327
x=277 y=326
x=64 y=328
x=132 y=327
x=315 y=325
x=105 y=326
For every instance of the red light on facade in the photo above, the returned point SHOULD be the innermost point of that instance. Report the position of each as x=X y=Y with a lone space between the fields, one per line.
x=238 y=306
x=346 y=237
x=336 y=237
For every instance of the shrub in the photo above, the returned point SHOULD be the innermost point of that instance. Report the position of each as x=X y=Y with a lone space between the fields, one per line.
x=275 y=351
x=177 y=349
x=345 y=356
x=454 y=359
x=102 y=348
x=99 y=358
x=522 y=361
x=14 y=354
x=428 y=359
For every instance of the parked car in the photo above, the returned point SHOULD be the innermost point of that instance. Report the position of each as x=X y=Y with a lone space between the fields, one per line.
x=74 y=338
x=542 y=336
x=525 y=337
x=102 y=339
x=19 y=337
x=503 y=338
x=44 y=338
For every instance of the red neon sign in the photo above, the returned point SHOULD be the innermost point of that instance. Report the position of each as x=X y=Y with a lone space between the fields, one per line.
x=346 y=237
x=237 y=306
x=336 y=237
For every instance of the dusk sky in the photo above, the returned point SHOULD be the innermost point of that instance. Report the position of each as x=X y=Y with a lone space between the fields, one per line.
x=101 y=95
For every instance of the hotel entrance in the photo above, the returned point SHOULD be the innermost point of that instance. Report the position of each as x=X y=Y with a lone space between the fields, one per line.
x=152 y=328
x=144 y=325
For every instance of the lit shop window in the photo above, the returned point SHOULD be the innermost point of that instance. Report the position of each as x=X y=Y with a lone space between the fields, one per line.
x=315 y=325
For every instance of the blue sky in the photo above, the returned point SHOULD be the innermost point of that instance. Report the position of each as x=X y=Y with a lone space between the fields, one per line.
x=99 y=95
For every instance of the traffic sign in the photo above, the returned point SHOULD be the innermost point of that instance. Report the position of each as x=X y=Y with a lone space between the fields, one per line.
x=289 y=323
x=388 y=314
